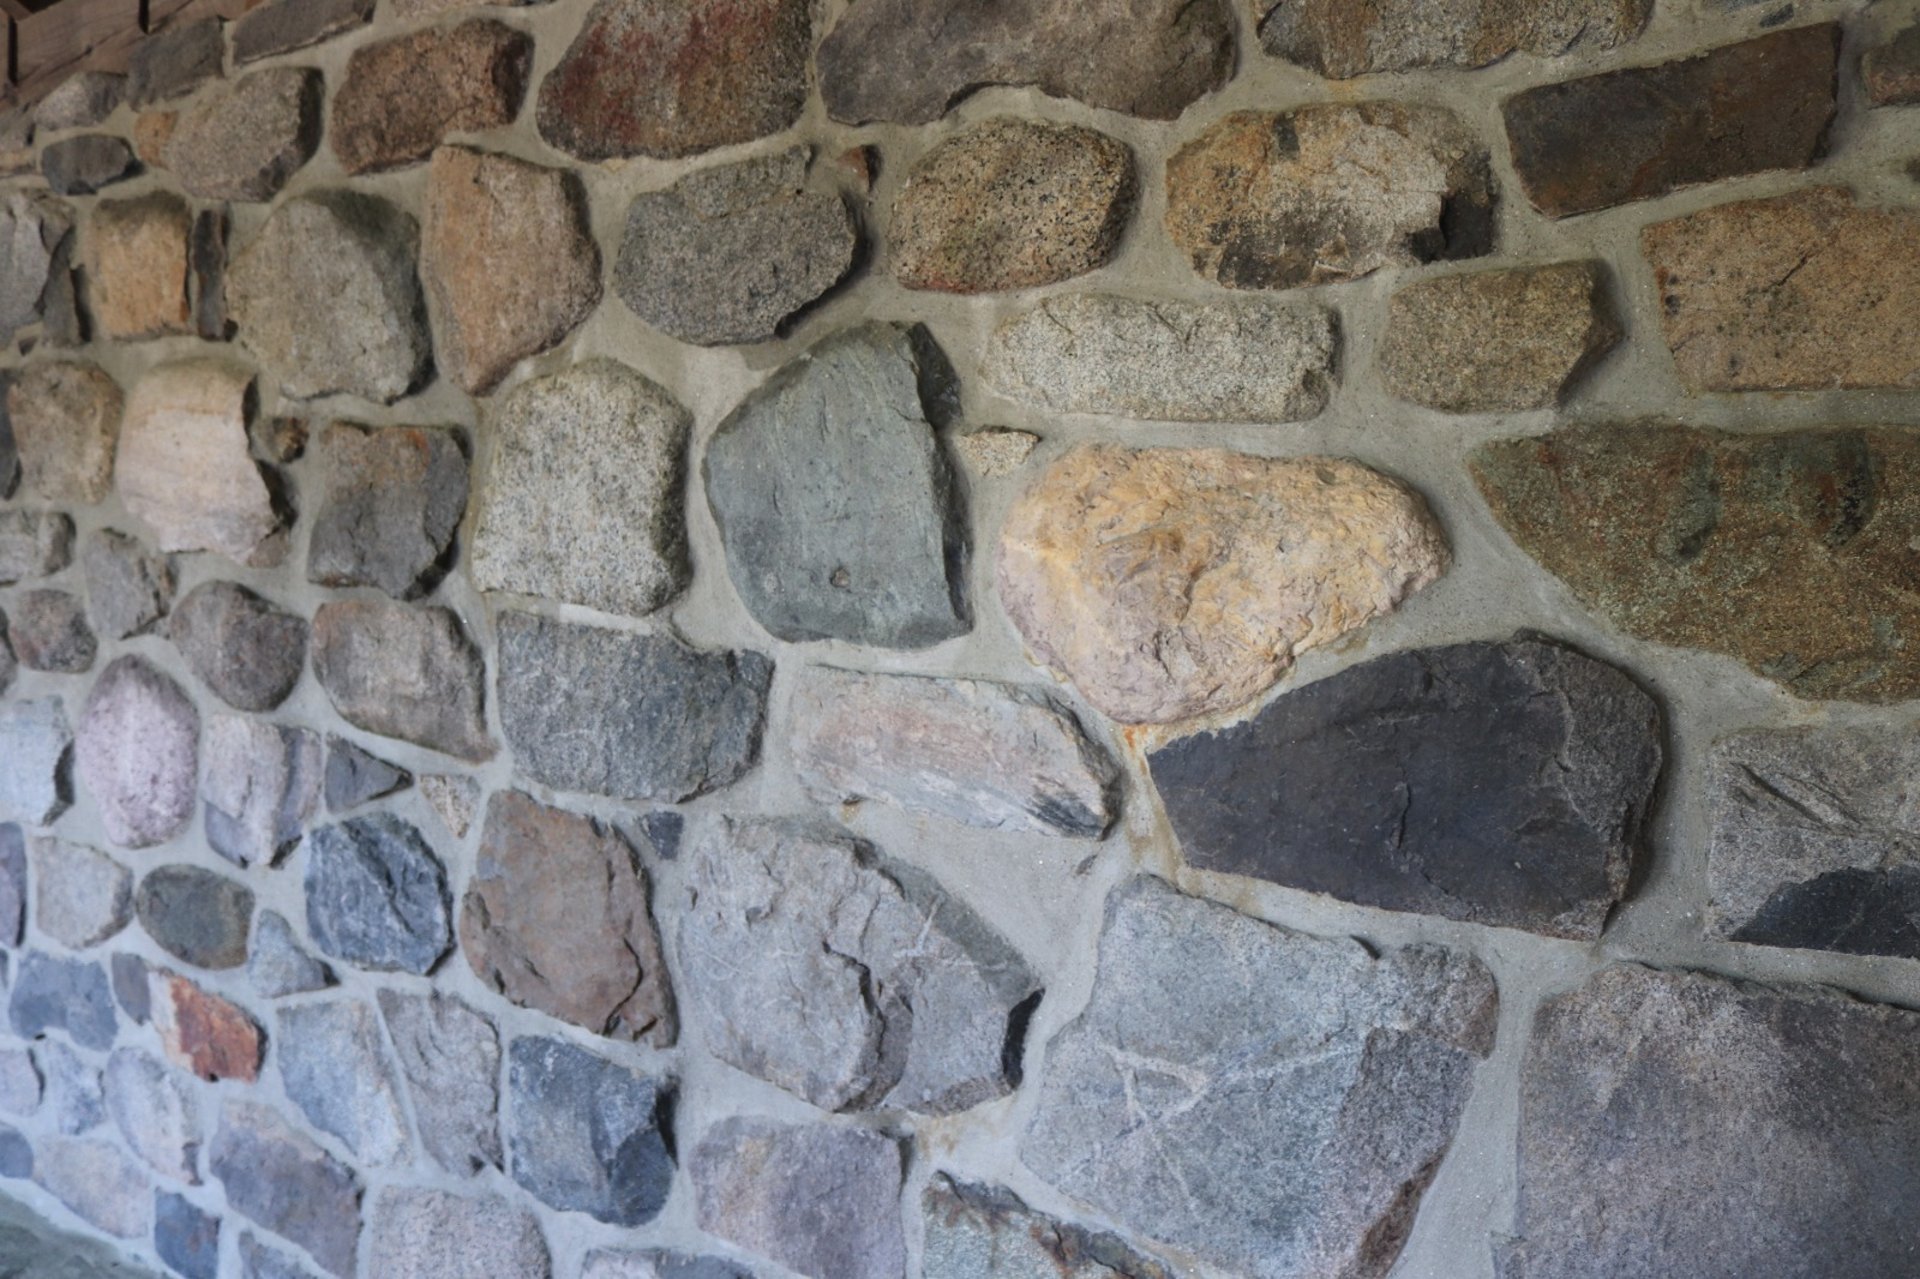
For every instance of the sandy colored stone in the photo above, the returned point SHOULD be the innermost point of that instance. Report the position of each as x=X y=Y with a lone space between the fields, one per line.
x=509 y=261
x=1892 y=70
x=1341 y=39
x=1328 y=192
x=66 y=422
x=403 y=96
x=242 y=139
x=1496 y=341
x=136 y=257
x=1808 y=291
x=152 y=131
x=994 y=452
x=1011 y=204
x=1170 y=583
x=203 y=1033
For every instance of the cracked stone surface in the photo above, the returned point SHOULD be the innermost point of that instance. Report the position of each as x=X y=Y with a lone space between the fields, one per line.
x=587 y=1134
x=377 y=895
x=336 y=1070
x=450 y=1057
x=985 y=1232
x=34 y=231
x=404 y=672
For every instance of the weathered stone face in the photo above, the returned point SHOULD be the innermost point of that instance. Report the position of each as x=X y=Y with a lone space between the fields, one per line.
x=658 y=1265
x=355 y=777
x=910 y=61
x=83 y=165
x=157 y=1113
x=1892 y=70
x=1266 y=201
x=394 y=499
x=1807 y=291
x=66 y=423
x=281 y=26
x=994 y=452
x=81 y=896
x=36 y=753
x=284 y=1181
x=196 y=916
x=34 y=544
x=1341 y=40
x=450 y=1056
x=1010 y=204
x=48 y=632
x=834 y=499
x=1789 y=552
x=63 y=994
x=337 y=1072
x=247 y=650
x=137 y=753
x=74 y=1101
x=1781 y=1112
x=278 y=966
x=586 y=1134
x=453 y=799
x=243 y=139
x=13 y=884
x=377 y=895
x=403 y=672
x=200 y=1032
x=99 y=1183
x=33 y=231
x=981 y=1232
x=174 y=62
x=261 y=783
x=1641 y=132
x=186 y=1238
x=403 y=97
x=429 y=1234
x=1155 y=1107
x=136 y=258
x=81 y=101
x=848 y=982
x=1150 y=578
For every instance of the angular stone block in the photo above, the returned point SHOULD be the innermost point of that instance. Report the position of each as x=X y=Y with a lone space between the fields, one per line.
x=404 y=672
x=586 y=1134
x=392 y=509
x=377 y=896
x=403 y=96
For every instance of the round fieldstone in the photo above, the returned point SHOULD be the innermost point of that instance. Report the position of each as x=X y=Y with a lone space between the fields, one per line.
x=249 y=652
x=195 y=915
x=66 y=423
x=49 y=632
x=243 y=139
x=137 y=753
x=402 y=97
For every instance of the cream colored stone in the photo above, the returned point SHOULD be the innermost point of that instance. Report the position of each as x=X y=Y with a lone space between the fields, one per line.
x=136 y=257
x=995 y=451
x=184 y=465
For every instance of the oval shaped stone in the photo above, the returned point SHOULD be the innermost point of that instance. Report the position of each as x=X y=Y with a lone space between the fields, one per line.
x=195 y=915
x=138 y=753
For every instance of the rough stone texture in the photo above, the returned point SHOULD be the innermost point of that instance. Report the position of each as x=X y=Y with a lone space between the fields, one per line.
x=337 y=1072
x=36 y=751
x=185 y=467
x=16 y=1154
x=66 y=421
x=33 y=232
x=1892 y=70
x=1787 y=551
x=137 y=753
x=1802 y=292
x=982 y=1232
x=556 y=919
x=834 y=499
x=156 y=1112
x=8 y=666
x=74 y=1100
x=758 y=1185
x=583 y=502
x=1011 y=204
x=403 y=672
x=48 y=631
x=728 y=254
x=402 y=97
x=82 y=165
x=428 y=8
x=1789 y=1119
x=95 y=1179
x=9 y=452
x=136 y=257
x=1641 y=132
x=34 y=544
x=195 y=915
x=355 y=777
x=13 y=885
x=200 y=1032
x=393 y=503
x=185 y=1238
x=174 y=62
x=429 y=1234
x=280 y=1179
x=658 y=1265
x=1342 y=40
x=247 y=650
x=1155 y=1108
x=1272 y=201
x=81 y=896
x=20 y=1083
x=995 y=452
x=586 y=1134
x=672 y=78
x=1496 y=341
x=631 y=716
x=278 y=966
x=377 y=896
x=128 y=587
x=450 y=1056
x=509 y=260
x=1239 y=360
x=243 y=139
x=326 y=296
x=1501 y=783
x=81 y=101
x=285 y=25
x=1152 y=628
x=995 y=756
x=63 y=994
x=261 y=783
x=849 y=981
x=454 y=800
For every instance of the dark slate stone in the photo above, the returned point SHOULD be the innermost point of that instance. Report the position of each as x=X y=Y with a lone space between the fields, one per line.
x=285 y=25
x=187 y=1239
x=585 y=1134
x=207 y=261
x=664 y=829
x=279 y=1177
x=63 y=994
x=16 y=1154
x=1680 y=1124
x=196 y=915
x=246 y=650
x=82 y=165
x=174 y=62
x=838 y=508
x=9 y=452
x=13 y=883
x=355 y=777
x=130 y=988
x=632 y=716
x=377 y=896
x=1501 y=783
x=1634 y=134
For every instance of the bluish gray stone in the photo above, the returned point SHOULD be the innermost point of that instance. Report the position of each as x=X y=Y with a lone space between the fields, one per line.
x=336 y=1070
x=130 y=988
x=196 y=915
x=278 y=966
x=450 y=1056
x=285 y=25
x=377 y=895
x=20 y=1084
x=98 y=1182
x=258 y=1261
x=36 y=753
x=74 y=1098
x=82 y=165
x=280 y=1179
x=261 y=784
x=355 y=777
x=63 y=994
x=248 y=651
x=157 y=1112
x=16 y=1153
x=185 y=1237
x=586 y=1134
x=81 y=896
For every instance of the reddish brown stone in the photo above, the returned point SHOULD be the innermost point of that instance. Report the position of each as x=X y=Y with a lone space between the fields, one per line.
x=203 y=1033
x=1892 y=71
x=402 y=96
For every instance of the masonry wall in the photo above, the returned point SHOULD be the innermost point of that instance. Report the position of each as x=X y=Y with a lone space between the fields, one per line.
x=713 y=639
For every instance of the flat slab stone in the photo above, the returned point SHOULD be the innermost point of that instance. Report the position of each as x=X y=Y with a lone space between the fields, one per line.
x=31 y=1246
x=1341 y=40
x=394 y=499
x=285 y=25
x=995 y=756
x=835 y=501
x=1760 y=105
x=1754 y=1105
x=1807 y=291
x=430 y=1234
x=243 y=139
x=48 y=631
x=157 y=1113
x=137 y=753
x=282 y=1180
x=1501 y=783
x=1239 y=360
x=98 y=1182
x=249 y=651
x=404 y=672
x=986 y=1232
x=34 y=544
x=49 y=993
x=1784 y=551
x=583 y=502
x=66 y=422
x=137 y=259
x=261 y=783
x=1264 y=200
x=200 y=1032
x=450 y=1056
x=1152 y=630
x=1156 y=1107
x=195 y=915
x=849 y=981
x=355 y=777
x=377 y=895
x=278 y=965
x=911 y=61
x=608 y=712
x=586 y=1134
x=36 y=760
x=336 y=1070
x=81 y=896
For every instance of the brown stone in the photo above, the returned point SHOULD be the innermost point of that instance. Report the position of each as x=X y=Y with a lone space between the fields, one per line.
x=1272 y=201
x=1341 y=39
x=404 y=672
x=1009 y=204
x=66 y=420
x=152 y=131
x=556 y=920
x=672 y=78
x=1634 y=134
x=1496 y=341
x=201 y=1032
x=242 y=139
x=1807 y=291
x=1892 y=70
x=508 y=259
x=1171 y=583
x=136 y=256
x=403 y=96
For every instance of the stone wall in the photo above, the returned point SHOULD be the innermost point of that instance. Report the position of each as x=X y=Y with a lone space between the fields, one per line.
x=711 y=638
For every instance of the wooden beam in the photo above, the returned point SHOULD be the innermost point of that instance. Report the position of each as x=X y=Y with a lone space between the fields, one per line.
x=14 y=9
x=64 y=35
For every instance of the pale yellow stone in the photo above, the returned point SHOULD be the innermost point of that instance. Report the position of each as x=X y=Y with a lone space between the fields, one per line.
x=137 y=266
x=996 y=451
x=184 y=463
